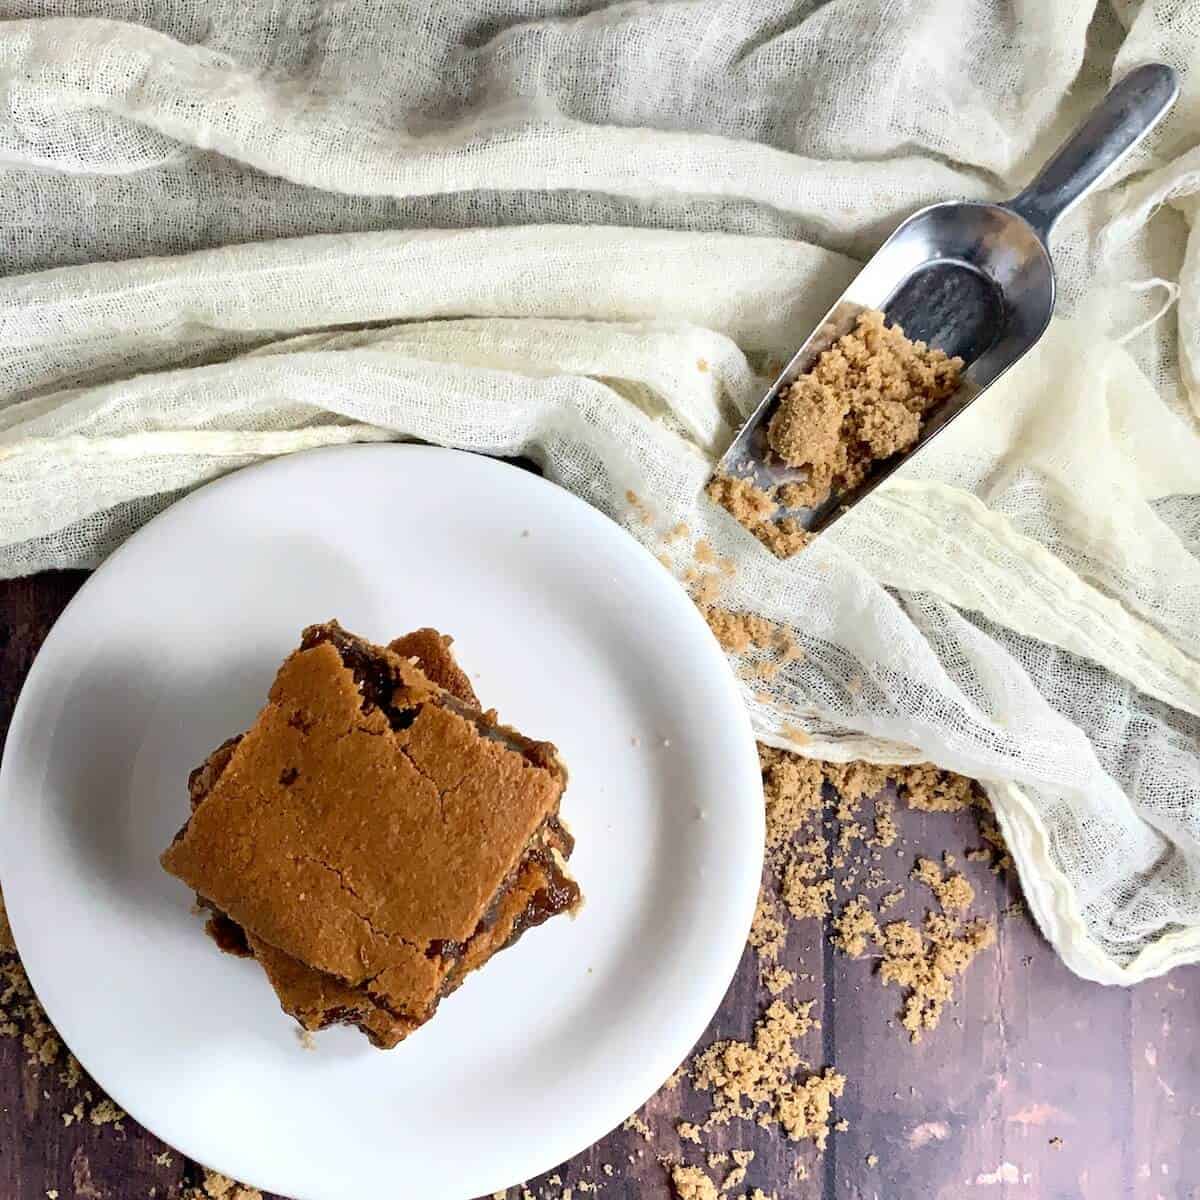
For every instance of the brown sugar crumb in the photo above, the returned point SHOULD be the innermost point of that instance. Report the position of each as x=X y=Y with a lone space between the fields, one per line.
x=7 y=945
x=691 y=1183
x=855 y=781
x=1056 y=1143
x=742 y=500
x=842 y=1125
x=708 y=590
x=106 y=1113
x=768 y=933
x=872 y=1160
x=743 y=1158
x=640 y=511
x=220 y=1187
x=717 y=1160
x=862 y=401
x=777 y=980
x=689 y=1131
x=927 y=964
x=805 y=900
x=21 y=1016
x=784 y=538
x=739 y=631
x=734 y=1178
x=954 y=892
x=677 y=532
x=635 y=1124
x=756 y=1080
x=891 y=900
x=885 y=824
x=805 y=1114
x=854 y=926
x=792 y=791
x=675 y=1079
x=930 y=789
x=755 y=511
x=994 y=852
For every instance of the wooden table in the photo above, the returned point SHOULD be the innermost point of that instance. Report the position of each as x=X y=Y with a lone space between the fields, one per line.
x=1036 y=1085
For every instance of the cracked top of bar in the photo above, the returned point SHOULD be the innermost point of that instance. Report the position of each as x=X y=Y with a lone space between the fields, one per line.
x=368 y=820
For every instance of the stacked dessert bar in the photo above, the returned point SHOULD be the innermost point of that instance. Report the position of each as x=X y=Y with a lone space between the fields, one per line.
x=375 y=836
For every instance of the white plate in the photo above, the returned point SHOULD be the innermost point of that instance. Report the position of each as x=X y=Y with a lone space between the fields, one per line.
x=573 y=631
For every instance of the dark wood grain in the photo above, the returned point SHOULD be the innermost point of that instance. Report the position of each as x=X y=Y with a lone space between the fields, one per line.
x=1036 y=1084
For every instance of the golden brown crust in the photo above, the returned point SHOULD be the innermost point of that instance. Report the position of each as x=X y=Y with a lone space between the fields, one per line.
x=357 y=764
x=436 y=661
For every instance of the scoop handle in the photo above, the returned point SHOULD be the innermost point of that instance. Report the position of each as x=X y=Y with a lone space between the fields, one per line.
x=1114 y=127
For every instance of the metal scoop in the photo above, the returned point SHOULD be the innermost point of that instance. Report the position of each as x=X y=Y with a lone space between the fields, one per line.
x=972 y=279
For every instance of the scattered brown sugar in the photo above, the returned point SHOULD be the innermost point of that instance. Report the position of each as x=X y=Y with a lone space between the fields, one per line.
x=784 y=538
x=739 y=631
x=7 y=945
x=862 y=401
x=806 y=900
x=872 y=1160
x=640 y=510
x=768 y=933
x=743 y=1158
x=220 y=1187
x=106 y=1113
x=733 y=1178
x=757 y=1080
x=855 y=781
x=927 y=963
x=689 y=1131
x=930 y=789
x=755 y=510
x=792 y=792
x=707 y=590
x=994 y=851
x=677 y=532
x=954 y=891
x=635 y=1124
x=777 y=980
x=854 y=926
x=746 y=503
x=691 y=1183
x=675 y=1078
x=885 y=824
